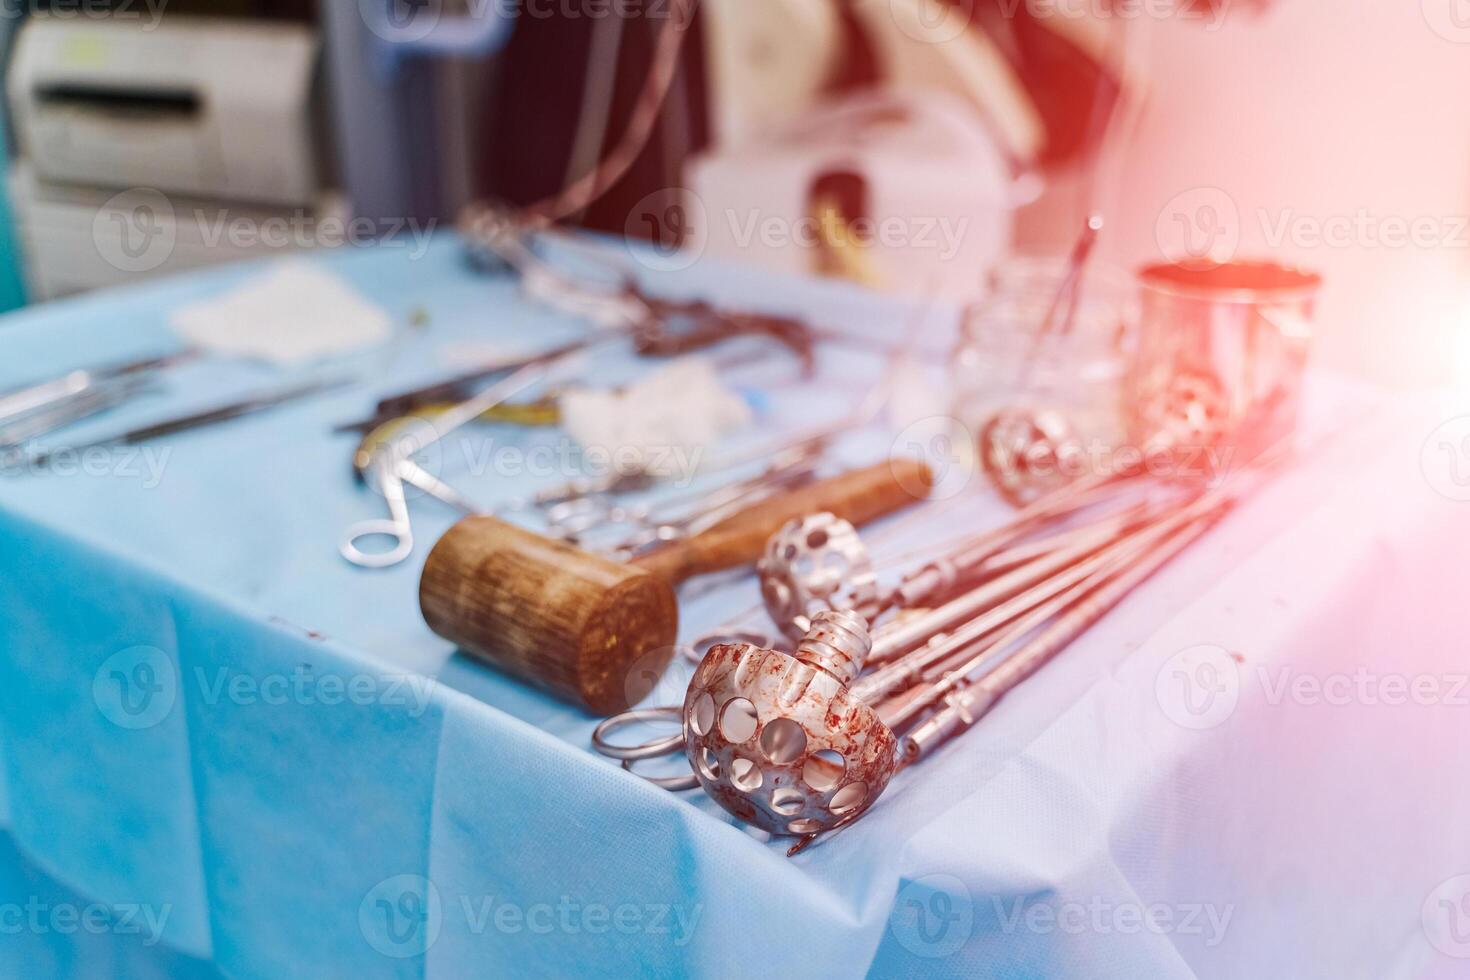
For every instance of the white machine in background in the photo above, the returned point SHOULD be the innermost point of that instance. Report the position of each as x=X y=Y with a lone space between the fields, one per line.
x=146 y=152
x=936 y=195
x=933 y=153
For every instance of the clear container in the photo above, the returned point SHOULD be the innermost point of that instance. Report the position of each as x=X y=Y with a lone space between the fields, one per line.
x=1003 y=361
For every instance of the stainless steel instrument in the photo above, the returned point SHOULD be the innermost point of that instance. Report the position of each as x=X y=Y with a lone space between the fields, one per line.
x=250 y=405
x=802 y=744
x=39 y=409
x=387 y=467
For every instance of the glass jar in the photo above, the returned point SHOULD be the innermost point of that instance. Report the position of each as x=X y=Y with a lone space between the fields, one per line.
x=1003 y=360
x=1042 y=406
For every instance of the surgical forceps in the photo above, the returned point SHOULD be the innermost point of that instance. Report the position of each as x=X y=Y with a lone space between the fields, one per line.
x=621 y=305
x=35 y=410
x=391 y=465
x=56 y=393
x=390 y=475
x=658 y=521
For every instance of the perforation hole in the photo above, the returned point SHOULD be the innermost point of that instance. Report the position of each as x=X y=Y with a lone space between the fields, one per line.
x=709 y=764
x=703 y=715
x=786 y=801
x=737 y=721
x=817 y=539
x=823 y=770
x=783 y=741
x=746 y=775
x=804 y=825
x=848 y=799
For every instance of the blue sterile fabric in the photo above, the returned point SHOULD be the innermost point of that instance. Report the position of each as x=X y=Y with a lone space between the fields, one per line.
x=207 y=715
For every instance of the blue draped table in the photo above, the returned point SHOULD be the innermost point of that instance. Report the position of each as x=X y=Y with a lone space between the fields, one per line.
x=226 y=750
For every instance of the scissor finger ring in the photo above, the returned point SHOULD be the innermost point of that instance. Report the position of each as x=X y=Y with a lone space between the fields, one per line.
x=399 y=534
x=671 y=783
x=664 y=745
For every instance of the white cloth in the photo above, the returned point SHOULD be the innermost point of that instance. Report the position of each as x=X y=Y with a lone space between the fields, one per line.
x=682 y=408
x=293 y=313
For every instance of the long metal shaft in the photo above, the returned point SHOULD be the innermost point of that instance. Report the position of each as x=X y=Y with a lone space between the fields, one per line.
x=956 y=670
x=986 y=610
x=969 y=704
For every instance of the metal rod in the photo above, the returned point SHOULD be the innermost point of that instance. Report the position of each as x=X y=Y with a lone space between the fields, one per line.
x=969 y=704
x=957 y=669
x=1053 y=570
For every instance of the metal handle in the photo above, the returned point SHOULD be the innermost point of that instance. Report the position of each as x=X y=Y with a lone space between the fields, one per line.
x=653 y=748
x=396 y=527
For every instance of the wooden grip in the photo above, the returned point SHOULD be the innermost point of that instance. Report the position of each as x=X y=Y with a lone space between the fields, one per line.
x=859 y=496
x=574 y=624
x=591 y=630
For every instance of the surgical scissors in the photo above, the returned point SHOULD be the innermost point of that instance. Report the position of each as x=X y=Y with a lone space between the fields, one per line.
x=57 y=394
x=652 y=749
x=660 y=521
x=390 y=475
x=68 y=410
x=390 y=465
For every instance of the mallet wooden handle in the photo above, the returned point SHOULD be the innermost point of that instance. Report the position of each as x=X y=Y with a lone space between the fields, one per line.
x=594 y=631
x=859 y=496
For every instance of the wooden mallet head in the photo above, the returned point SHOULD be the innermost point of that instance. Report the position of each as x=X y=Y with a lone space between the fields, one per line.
x=576 y=624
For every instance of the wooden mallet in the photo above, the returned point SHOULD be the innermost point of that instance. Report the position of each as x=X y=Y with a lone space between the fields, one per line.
x=576 y=624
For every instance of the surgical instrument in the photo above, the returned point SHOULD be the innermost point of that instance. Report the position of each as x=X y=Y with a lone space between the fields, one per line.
x=246 y=406
x=803 y=744
x=20 y=402
x=575 y=623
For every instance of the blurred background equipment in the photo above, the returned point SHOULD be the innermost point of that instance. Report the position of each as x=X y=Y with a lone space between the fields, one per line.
x=755 y=78
x=391 y=111
x=139 y=148
x=908 y=191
